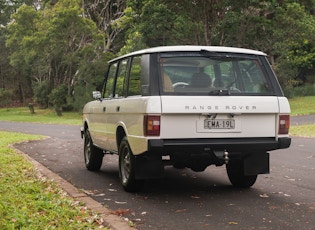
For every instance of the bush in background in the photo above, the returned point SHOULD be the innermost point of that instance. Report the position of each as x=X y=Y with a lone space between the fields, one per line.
x=299 y=91
x=41 y=95
x=58 y=98
x=5 y=97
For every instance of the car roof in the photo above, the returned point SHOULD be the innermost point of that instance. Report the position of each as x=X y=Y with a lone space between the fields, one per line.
x=190 y=48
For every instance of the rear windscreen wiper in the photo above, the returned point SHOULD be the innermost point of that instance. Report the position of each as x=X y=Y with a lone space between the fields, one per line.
x=220 y=92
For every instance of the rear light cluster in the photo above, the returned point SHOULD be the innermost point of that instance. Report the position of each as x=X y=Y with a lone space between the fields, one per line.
x=284 y=124
x=152 y=125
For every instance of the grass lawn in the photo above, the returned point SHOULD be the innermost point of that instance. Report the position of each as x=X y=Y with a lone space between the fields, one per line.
x=47 y=116
x=303 y=130
x=302 y=105
x=30 y=201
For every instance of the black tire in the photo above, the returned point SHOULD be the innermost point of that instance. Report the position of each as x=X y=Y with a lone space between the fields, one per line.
x=127 y=168
x=93 y=156
x=235 y=171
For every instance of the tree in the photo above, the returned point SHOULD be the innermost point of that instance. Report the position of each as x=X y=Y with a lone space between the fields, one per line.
x=58 y=98
x=151 y=23
x=49 y=43
x=12 y=79
x=157 y=23
x=19 y=31
x=50 y=46
x=107 y=15
x=295 y=44
x=246 y=24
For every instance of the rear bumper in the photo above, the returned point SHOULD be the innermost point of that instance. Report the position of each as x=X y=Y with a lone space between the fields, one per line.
x=229 y=144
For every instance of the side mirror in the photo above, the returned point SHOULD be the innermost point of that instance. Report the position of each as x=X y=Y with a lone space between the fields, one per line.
x=97 y=95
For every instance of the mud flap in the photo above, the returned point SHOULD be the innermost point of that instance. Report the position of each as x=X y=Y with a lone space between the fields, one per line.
x=149 y=167
x=257 y=163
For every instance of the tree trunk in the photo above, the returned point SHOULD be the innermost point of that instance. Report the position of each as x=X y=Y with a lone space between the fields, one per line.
x=31 y=107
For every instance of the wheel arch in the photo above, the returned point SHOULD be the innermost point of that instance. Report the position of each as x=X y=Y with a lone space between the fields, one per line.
x=120 y=134
x=84 y=128
x=85 y=125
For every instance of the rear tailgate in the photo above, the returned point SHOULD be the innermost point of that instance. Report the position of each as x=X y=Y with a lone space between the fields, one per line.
x=219 y=116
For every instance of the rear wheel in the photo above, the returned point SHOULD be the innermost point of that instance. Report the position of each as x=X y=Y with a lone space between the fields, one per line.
x=93 y=156
x=127 y=168
x=235 y=171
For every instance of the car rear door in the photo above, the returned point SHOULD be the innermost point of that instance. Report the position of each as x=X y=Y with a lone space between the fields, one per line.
x=102 y=111
x=219 y=96
x=218 y=116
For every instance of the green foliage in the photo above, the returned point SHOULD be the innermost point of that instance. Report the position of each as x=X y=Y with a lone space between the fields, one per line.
x=8 y=8
x=157 y=23
x=58 y=98
x=294 y=44
x=302 y=54
x=5 y=97
x=82 y=95
x=89 y=78
x=19 y=33
x=245 y=26
x=53 y=46
x=300 y=91
x=154 y=23
x=134 y=42
x=41 y=93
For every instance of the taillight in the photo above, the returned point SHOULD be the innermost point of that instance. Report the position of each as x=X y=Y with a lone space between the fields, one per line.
x=284 y=124
x=151 y=125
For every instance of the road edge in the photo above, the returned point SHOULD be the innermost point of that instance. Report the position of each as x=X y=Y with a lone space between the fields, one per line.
x=113 y=222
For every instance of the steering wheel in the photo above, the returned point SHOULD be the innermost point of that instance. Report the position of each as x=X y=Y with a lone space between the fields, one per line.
x=180 y=85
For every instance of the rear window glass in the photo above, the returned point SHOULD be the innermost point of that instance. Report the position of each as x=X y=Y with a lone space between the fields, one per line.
x=195 y=75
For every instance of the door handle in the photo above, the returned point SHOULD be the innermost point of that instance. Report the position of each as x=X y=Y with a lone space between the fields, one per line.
x=117 y=108
x=104 y=109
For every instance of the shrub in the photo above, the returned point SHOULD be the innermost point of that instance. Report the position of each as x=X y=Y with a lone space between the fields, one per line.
x=58 y=98
x=81 y=96
x=5 y=97
x=299 y=91
x=41 y=93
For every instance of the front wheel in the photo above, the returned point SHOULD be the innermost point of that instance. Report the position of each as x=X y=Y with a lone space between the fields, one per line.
x=127 y=168
x=235 y=171
x=93 y=156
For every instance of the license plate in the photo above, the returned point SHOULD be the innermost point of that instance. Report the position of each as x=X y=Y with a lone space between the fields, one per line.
x=219 y=124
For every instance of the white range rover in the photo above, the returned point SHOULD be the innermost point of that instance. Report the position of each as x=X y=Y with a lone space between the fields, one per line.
x=187 y=106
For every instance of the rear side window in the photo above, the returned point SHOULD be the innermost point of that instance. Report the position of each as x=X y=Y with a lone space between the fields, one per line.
x=135 y=77
x=196 y=74
x=120 y=89
x=109 y=85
